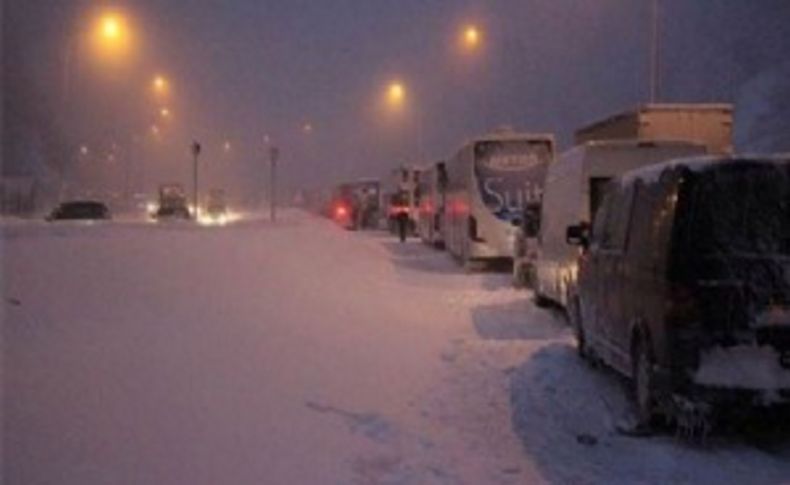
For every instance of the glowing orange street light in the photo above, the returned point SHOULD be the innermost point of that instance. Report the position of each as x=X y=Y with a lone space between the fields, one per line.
x=396 y=94
x=165 y=112
x=471 y=37
x=110 y=28
x=160 y=84
x=112 y=36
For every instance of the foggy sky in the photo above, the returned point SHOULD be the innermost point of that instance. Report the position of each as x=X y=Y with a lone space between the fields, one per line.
x=244 y=68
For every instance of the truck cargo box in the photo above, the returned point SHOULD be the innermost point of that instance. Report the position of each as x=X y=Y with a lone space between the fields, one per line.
x=708 y=124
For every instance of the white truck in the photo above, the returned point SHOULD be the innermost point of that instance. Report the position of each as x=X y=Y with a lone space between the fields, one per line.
x=172 y=202
x=709 y=124
x=574 y=188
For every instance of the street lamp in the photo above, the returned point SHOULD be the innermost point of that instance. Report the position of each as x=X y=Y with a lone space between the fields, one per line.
x=112 y=36
x=160 y=85
x=471 y=37
x=110 y=28
x=165 y=113
x=396 y=94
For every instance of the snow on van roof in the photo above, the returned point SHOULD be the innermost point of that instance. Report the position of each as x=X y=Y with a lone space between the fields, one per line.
x=651 y=173
x=639 y=142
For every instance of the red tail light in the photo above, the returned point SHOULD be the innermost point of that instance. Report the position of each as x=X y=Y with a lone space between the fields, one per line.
x=341 y=211
x=398 y=209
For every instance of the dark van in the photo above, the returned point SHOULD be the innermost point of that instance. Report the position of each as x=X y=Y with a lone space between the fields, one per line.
x=684 y=284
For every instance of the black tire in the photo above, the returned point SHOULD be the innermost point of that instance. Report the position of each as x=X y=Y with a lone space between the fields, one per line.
x=518 y=276
x=540 y=300
x=577 y=324
x=643 y=380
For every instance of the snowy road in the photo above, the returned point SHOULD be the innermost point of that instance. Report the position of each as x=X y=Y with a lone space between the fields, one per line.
x=301 y=353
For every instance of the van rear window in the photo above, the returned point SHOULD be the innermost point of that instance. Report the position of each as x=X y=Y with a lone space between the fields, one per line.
x=742 y=209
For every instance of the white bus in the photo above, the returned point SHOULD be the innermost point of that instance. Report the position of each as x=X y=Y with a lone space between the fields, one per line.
x=574 y=187
x=490 y=181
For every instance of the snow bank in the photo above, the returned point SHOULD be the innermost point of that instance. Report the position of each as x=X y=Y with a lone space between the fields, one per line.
x=300 y=353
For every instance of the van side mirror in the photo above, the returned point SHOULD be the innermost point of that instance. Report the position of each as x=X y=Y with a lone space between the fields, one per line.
x=577 y=235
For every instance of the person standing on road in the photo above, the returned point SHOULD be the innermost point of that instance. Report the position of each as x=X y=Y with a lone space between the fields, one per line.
x=402 y=218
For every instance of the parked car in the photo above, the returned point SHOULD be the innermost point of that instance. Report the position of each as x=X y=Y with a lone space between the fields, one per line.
x=80 y=210
x=684 y=284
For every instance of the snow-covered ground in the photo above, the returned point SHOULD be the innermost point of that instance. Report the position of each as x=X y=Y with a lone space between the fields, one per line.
x=301 y=353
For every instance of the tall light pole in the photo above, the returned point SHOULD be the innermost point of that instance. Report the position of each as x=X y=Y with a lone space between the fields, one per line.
x=655 y=51
x=274 y=154
x=195 y=153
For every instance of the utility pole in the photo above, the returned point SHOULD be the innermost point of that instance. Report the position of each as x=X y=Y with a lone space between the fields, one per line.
x=655 y=51
x=274 y=154
x=195 y=154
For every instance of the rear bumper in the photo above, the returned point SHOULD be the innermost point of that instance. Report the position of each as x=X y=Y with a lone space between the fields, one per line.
x=669 y=383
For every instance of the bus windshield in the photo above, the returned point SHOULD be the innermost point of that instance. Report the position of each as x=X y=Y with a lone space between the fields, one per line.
x=510 y=174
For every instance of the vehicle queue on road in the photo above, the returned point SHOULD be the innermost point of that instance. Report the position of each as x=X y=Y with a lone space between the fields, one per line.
x=669 y=254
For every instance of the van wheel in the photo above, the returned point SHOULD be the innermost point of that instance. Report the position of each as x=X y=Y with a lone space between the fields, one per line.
x=644 y=383
x=539 y=298
x=575 y=317
x=518 y=276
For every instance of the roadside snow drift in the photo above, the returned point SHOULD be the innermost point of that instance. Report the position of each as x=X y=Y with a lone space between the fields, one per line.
x=300 y=353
